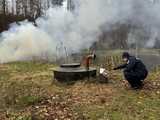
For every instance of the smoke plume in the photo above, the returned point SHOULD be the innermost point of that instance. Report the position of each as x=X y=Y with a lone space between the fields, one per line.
x=59 y=29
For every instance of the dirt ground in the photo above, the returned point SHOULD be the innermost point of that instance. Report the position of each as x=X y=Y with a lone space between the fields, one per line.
x=28 y=93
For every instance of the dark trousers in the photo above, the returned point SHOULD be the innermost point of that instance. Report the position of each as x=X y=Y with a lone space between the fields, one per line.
x=135 y=79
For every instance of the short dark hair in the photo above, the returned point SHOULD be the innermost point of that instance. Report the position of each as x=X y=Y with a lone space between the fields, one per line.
x=125 y=55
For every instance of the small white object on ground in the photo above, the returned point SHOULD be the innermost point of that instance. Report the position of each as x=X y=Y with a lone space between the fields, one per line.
x=102 y=70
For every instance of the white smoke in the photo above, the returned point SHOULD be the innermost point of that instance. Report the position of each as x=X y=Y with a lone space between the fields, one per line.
x=75 y=30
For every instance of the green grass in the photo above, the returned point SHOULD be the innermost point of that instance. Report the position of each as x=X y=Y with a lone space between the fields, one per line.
x=27 y=92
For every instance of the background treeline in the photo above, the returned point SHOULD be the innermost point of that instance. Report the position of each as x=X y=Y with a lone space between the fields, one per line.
x=17 y=10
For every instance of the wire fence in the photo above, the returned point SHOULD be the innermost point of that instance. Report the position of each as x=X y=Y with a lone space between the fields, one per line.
x=112 y=58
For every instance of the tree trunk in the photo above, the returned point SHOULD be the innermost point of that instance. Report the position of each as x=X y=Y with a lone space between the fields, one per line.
x=4 y=13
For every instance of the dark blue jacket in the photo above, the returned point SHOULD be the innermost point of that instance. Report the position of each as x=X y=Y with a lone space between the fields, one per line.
x=134 y=65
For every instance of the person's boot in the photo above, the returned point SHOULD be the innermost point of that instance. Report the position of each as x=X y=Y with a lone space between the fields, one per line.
x=138 y=87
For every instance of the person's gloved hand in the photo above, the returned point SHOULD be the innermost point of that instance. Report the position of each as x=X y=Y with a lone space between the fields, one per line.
x=125 y=83
x=114 y=68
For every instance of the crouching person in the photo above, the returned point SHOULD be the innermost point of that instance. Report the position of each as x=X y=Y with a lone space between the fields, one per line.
x=134 y=70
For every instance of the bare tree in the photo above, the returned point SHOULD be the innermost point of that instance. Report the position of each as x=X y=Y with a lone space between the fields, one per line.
x=4 y=6
x=17 y=10
x=13 y=5
x=3 y=13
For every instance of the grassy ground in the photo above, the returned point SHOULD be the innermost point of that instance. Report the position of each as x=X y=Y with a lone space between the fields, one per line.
x=27 y=92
